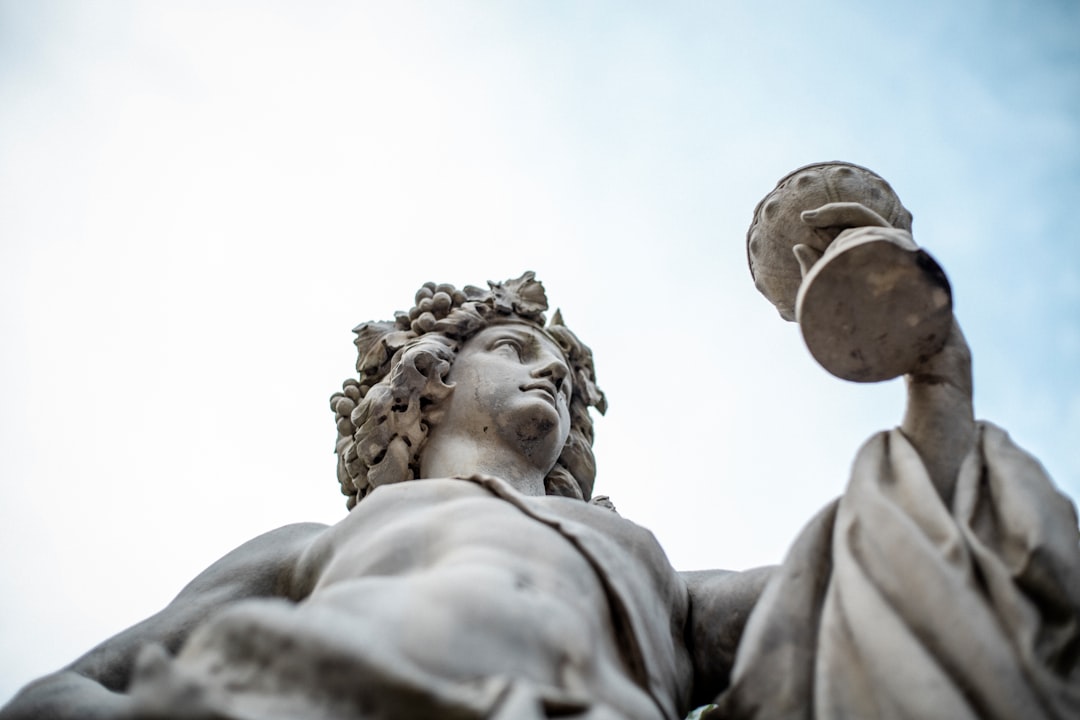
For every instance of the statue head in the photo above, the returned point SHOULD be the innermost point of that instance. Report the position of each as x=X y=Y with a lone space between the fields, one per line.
x=384 y=416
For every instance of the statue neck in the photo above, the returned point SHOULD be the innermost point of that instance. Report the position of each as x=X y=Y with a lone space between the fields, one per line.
x=447 y=454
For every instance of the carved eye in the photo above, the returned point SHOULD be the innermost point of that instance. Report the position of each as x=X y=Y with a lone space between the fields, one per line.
x=512 y=344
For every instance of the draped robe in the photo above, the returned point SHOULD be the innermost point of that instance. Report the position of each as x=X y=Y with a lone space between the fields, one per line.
x=892 y=605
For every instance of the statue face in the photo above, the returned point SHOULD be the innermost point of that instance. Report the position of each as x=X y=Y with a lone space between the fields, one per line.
x=512 y=385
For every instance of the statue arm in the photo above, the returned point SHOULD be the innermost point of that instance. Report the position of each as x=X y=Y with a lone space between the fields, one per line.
x=94 y=686
x=939 y=419
x=720 y=604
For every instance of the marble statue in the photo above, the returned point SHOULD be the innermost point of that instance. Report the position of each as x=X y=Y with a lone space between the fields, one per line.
x=476 y=575
x=945 y=581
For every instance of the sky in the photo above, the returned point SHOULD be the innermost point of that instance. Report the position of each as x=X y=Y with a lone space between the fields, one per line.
x=199 y=200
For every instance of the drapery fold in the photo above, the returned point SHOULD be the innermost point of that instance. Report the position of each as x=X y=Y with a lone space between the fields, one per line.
x=893 y=605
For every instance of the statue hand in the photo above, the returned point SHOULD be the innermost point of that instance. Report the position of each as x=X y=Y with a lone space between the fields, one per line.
x=872 y=305
x=853 y=223
x=939 y=418
x=951 y=366
x=843 y=215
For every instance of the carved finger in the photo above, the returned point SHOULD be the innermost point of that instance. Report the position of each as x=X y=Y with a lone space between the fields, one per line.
x=843 y=214
x=806 y=256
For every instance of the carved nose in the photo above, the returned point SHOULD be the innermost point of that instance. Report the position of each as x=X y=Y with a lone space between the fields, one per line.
x=554 y=371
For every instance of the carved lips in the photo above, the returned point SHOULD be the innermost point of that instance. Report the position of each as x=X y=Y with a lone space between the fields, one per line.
x=546 y=387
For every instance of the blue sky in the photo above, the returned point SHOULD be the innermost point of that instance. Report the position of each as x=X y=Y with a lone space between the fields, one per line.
x=199 y=200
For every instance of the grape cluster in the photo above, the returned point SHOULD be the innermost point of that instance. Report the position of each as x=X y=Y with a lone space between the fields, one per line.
x=343 y=404
x=433 y=303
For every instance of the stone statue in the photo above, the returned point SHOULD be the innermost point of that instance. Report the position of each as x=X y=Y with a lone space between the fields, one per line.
x=496 y=587
x=476 y=576
x=945 y=582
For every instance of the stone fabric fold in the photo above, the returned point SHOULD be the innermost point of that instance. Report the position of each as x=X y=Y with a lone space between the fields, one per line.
x=893 y=605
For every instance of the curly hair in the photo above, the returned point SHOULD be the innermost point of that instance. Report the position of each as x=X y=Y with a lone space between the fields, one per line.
x=384 y=415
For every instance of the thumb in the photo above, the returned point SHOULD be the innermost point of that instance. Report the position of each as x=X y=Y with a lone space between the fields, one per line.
x=806 y=257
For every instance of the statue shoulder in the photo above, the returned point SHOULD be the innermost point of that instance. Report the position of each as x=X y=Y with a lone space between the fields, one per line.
x=263 y=566
x=93 y=686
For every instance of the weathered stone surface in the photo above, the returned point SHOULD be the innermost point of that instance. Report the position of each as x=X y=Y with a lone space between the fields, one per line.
x=871 y=308
x=945 y=582
x=476 y=575
x=831 y=248
x=778 y=225
x=893 y=604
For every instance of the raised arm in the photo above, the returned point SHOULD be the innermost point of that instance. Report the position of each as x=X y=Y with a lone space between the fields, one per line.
x=94 y=686
x=939 y=418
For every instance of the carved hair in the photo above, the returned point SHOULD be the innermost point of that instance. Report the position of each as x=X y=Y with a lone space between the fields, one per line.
x=383 y=417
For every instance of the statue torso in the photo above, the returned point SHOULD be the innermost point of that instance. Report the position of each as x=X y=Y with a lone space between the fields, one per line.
x=457 y=582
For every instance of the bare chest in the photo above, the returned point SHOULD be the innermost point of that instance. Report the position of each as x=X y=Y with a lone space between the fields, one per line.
x=446 y=528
